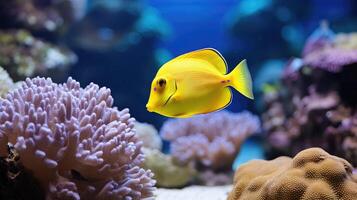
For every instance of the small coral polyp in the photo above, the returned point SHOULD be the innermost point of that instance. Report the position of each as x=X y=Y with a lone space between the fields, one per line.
x=73 y=141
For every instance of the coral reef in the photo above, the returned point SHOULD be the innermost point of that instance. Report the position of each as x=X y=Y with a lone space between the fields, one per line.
x=148 y=134
x=6 y=82
x=311 y=174
x=23 y=55
x=167 y=173
x=210 y=141
x=316 y=102
x=73 y=141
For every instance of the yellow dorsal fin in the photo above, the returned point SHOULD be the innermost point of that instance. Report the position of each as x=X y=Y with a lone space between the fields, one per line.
x=208 y=54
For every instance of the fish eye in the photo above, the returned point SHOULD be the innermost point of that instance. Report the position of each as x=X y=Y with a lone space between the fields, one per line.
x=161 y=82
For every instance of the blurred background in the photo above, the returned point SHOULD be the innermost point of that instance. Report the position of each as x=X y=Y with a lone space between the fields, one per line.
x=120 y=44
x=142 y=35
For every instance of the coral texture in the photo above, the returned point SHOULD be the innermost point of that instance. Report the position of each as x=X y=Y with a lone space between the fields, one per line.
x=211 y=140
x=315 y=105
x=73 y=141
x=167 y=173
x=311 y=174
x=22 y=55
x=148 y=134
x=6 y=82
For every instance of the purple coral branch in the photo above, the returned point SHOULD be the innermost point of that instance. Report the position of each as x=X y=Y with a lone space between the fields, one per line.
x=212 y=140
x=72 y=139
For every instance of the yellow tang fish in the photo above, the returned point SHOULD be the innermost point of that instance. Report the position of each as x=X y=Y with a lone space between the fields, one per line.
x=196 y=83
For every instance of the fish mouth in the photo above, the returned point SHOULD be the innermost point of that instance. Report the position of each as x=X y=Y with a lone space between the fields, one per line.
x=168 y=99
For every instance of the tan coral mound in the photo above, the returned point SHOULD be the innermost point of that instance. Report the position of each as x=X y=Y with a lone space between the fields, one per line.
x=311 y=174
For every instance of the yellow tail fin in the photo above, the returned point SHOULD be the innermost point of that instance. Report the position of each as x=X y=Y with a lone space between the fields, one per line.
x=241 y=79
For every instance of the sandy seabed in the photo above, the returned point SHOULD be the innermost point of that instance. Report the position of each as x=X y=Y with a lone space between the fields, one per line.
x=194 y=193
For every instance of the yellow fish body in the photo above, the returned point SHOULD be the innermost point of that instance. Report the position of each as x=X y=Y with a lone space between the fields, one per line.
x=197 y=83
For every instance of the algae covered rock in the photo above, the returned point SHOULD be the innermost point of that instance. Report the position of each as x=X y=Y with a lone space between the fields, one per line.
x=23 y=55
x=148 y=134
x=166 y=172
x=6 y=82
x=311 y=174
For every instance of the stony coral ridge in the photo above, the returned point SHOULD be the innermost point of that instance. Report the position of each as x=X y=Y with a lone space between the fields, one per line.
x=311 y=174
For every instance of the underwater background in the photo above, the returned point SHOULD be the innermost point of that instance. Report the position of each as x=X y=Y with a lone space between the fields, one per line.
x=102 y=56
x=149 y=33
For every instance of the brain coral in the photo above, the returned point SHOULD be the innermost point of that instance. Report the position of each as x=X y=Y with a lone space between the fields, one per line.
x=211 y=140
x=73 y=141
x=311 y=174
